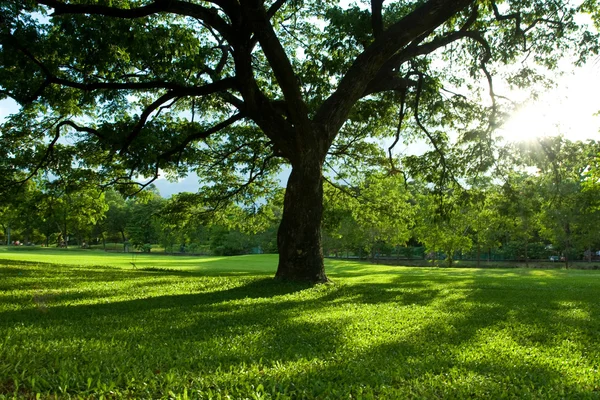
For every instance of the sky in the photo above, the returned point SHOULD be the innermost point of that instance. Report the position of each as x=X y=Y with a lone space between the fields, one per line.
x=567 y=109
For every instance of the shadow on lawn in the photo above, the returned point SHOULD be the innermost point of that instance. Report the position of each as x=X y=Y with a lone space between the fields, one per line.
x=436 y=348
x=29 y=275
x=261 y=319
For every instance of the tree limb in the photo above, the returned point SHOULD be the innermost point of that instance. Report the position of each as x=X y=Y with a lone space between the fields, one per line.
x=376 y=17
x=388 y=81
x=401 y=114
x=445 y=168
x=517 y=17
x=203 y=90
x=50 y=78
x=200 y=135
x=279 y=62
x=276 y=6
x=79 y=128
x=45 y=158
x=433 y=13
x=208 y=15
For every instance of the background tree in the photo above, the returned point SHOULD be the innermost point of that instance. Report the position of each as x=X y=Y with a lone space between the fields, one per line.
x=442 y=224
x=486 y=224
x=341 y=232
x=567 y=216
x=520 y=206
x=382 y=211
x=143 y=225
x=117 y=216
x=15 y=215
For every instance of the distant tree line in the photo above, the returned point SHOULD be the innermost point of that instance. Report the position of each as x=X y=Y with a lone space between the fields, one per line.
x=545 y=203
x=56 y=213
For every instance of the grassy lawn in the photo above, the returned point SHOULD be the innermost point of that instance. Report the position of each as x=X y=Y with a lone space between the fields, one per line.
x=218 y=265
x=89 y=325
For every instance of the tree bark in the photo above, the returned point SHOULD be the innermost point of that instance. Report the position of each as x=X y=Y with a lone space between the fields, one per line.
x=5 y=234
x=567 y=246
x=124 y=241
x=526 y=255
x=299 y=235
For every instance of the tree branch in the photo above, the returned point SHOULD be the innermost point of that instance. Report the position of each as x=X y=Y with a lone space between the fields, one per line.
x=387 y=81
x=251 y=179
x=50 y=78
x=342 y=150
x=150 y=85
x=200 y=91
x=401 y=114
x=256 y=105
x=517 y=17
x=376 y=17
x=144 y=117
x=433 y=13
x=200 y=135
x=44 y=161
x=279 y=62
x=276 y=6
x=208 y=15
x=78 y=128
x=445 y=168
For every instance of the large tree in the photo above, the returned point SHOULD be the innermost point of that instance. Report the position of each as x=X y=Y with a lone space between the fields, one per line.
x=234 y=89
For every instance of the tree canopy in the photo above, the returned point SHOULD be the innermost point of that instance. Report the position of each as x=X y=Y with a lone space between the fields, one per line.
x=117 y=90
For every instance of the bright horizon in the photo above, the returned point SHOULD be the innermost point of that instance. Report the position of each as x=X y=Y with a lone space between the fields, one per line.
x=566 y=110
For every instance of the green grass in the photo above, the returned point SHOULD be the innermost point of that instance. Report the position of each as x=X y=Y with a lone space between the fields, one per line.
x=218 y=265
x=90 y=326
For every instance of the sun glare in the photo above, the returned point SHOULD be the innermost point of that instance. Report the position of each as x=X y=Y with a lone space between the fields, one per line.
x=567 y=110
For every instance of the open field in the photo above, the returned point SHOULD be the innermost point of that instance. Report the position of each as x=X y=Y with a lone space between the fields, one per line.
x=231 y=265
x=242 y=264
x=91 y=326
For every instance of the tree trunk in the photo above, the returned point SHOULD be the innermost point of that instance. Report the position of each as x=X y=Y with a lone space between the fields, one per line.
x=568 y=233
x=526 y=255
x=450 y=258
x=299 y=235
x=124 y=241
x=5 y=234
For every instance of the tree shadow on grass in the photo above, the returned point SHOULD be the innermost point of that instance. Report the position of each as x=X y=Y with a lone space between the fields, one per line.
x=208 y=295
x=228 y=326
x=433 y=342
x=479 y=346
x=35 y=276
